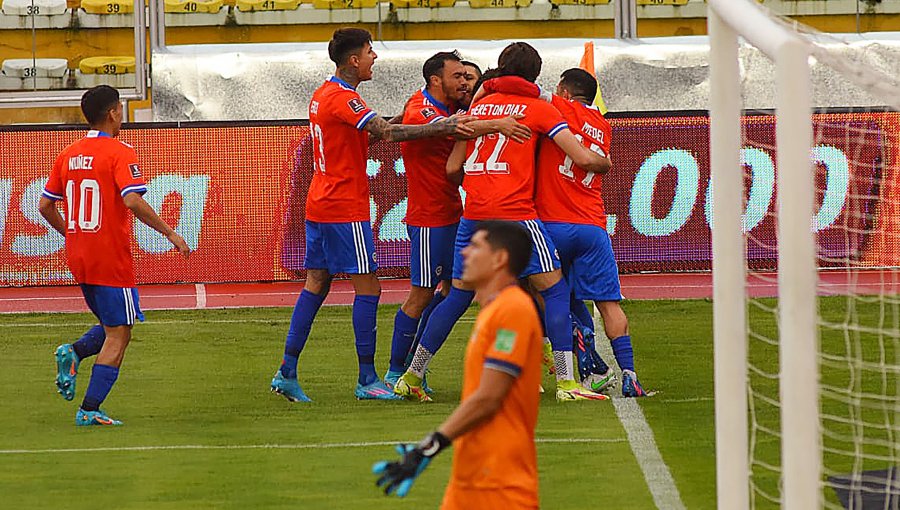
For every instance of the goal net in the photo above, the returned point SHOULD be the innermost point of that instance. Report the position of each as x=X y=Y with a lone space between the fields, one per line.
x=806 y=244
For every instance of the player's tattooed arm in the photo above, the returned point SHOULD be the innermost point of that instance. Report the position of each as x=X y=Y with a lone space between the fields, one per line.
x=50 y=213
x=456 y=125
x=588 y=160
x=455 y=163
x=508 y=126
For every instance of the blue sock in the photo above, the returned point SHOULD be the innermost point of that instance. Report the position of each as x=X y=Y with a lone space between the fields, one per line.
x=624 y=354
x=556 y=316
x=301 y=321
x=537 y=306
x=581 y=313
x=102 y=379
x=365 y=326
x=423 y=320
x=90 y=343
x=444 y=317
x=404 y=334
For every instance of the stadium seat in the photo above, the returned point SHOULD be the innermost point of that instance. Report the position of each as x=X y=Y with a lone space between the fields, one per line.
x=114 y=71
x=39 y=68
x=267 y=5
x=580 y=2
x=107 y=65
x=423 y=3
x=662 y=2
x=480 y=4
x=345 y=4
x=192 y=6
x=37 y=8
x=110 y=7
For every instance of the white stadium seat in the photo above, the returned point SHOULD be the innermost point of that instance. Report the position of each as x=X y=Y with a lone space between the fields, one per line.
x=35 y=7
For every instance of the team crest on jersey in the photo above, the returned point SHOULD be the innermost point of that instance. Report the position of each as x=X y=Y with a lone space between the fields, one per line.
x=135 y=170
x=428 y=112
x=356 y=105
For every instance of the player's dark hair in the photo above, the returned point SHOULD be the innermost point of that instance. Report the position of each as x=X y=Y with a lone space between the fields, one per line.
x=512 y=237
x=345 y=42
x=97 y=102
x=434 y=66
x=469 y=63
x=579 y=83
x=520 y=59
x=488 y=75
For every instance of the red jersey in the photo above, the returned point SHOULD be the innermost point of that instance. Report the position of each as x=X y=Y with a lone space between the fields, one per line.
x=499 y=180
x=566 y=193
x=433 y=200
x=92 y=175
x=339 y=192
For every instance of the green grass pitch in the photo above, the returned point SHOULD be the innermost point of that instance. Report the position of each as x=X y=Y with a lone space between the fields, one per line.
x=200 y=378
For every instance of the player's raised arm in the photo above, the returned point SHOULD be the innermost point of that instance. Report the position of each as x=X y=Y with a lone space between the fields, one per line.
x=148 y=216
x=588 y=160
x=508 y=126
x=453 y=125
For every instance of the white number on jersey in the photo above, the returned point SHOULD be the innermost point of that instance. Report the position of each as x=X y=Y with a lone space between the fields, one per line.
x=566 y=168
x=493 y=165
x=88 y=206
x=318 y=148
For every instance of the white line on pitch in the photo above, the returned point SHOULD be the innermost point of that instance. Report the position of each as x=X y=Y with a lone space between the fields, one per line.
x=200 y=291
x=643 y=446
x=301 y=446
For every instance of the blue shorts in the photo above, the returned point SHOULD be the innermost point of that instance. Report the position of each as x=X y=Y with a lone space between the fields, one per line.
x=587 y=260
x=431 y=254
x=340 y=247
x=544 y=258
x=113 y=306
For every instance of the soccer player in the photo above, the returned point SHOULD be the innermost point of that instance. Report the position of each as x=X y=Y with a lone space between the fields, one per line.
x=434 y=205
x=499 y=184
x=99 y=179
x=570 y=203
x=473 y=74
x=492 y=430
x=338 y=232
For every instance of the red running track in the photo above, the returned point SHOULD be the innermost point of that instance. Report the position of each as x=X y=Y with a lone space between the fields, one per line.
x=242 y=295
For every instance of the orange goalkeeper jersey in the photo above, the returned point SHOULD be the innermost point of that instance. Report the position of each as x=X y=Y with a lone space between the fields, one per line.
x=496 y=463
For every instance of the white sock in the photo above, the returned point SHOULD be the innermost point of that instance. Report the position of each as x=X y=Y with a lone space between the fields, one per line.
x=420 y=361
x=565 y=368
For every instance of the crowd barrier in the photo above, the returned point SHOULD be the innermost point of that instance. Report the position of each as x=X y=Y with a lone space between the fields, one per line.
x=235 y=192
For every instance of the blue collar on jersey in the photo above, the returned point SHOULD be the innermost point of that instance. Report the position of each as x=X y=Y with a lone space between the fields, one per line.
x=96 y=133
x=435 y=102
x=341 y=82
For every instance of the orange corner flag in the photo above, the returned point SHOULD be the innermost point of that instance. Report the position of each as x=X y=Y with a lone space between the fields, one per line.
x=587 y=63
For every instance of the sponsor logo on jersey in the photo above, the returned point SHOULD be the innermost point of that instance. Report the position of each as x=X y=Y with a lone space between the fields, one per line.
x=428 y=112
x=356 y=105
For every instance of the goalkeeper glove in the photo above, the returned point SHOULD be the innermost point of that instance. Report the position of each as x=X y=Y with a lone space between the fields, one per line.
x=398 y=476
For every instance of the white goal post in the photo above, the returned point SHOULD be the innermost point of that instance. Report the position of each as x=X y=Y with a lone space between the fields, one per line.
x=801 y=446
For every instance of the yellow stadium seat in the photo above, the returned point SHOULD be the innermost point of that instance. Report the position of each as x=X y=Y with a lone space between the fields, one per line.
x=192 y=6
x=107 y=65
x=423 y=3
x=267 y=5
x=580 y=2
x=662 y=2
x=480 y=4
x=107 y=6
x=343 y=4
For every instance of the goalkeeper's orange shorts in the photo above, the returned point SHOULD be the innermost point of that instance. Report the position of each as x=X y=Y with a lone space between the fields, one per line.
x=507 y=498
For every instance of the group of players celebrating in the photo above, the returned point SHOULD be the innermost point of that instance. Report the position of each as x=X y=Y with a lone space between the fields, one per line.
x=521 y=155
x=530 y=163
